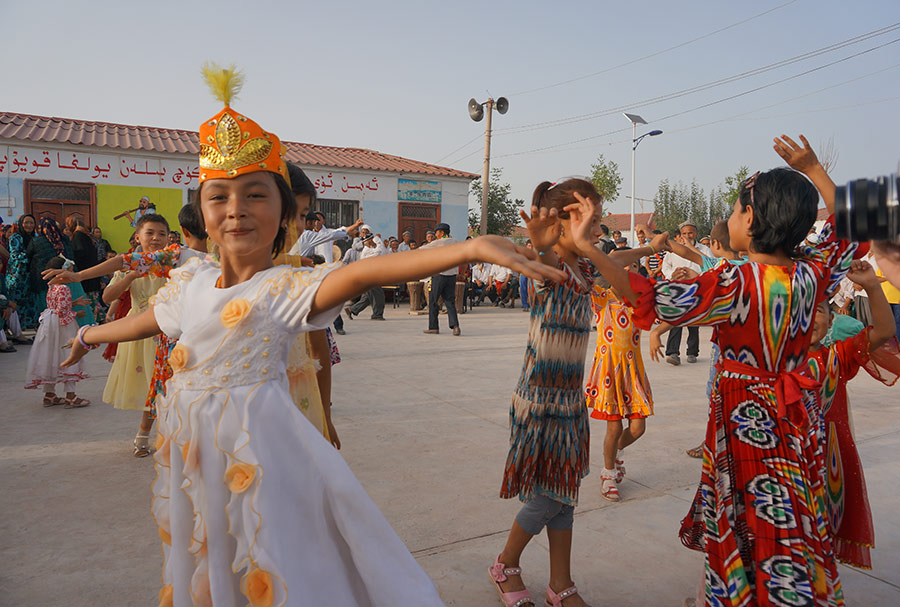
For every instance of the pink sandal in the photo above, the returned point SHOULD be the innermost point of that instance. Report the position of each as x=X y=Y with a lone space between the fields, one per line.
x=555 y=600
x=500 y=573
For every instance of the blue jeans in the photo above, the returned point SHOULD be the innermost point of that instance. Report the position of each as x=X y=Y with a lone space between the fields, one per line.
x=523 y=290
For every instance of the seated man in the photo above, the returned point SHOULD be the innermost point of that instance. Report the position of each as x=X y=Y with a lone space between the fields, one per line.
x=481 y=282
x=9 y=321
x=500 y=277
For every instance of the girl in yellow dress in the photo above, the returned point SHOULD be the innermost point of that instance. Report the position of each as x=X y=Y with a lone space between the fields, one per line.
x=131 y=373
x=617 y=388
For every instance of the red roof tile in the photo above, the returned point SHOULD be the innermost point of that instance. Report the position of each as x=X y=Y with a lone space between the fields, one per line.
x=622 y=221
x=27 y=127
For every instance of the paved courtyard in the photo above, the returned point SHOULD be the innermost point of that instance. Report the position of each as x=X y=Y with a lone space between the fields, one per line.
x=423 y=420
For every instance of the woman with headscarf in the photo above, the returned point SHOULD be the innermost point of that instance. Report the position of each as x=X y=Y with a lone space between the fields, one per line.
x=85 y=256
x=48 y=242
x=18 y=274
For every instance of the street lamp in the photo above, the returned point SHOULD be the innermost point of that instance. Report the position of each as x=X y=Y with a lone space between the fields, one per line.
x=476 y=113
x=636 y=120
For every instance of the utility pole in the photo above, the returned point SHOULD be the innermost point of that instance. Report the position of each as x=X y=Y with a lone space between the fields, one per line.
x=476 y=113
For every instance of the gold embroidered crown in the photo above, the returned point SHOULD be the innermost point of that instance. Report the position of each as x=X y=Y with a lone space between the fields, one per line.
x=232 y=144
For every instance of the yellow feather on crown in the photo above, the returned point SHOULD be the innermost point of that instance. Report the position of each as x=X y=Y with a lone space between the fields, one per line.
x=224 y=82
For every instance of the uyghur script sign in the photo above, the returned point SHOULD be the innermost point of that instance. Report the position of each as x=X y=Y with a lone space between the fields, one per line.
x=414 y=190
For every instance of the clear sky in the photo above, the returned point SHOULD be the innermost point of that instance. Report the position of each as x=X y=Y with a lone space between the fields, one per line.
x=396 y=77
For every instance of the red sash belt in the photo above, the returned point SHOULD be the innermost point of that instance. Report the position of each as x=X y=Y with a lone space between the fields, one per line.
x=789 y=386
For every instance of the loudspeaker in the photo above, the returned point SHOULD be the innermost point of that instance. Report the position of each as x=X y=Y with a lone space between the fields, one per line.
x=502 y=105
x=476 y=112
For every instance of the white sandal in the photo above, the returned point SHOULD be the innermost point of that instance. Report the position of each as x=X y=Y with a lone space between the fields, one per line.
x=608 y=488
x=142 y=443
x=620 y=470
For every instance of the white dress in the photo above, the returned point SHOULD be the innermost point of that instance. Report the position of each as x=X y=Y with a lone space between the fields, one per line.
x=57 y=328
x=252 y=503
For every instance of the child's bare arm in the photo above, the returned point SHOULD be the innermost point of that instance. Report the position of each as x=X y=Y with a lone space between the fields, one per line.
x=804 y=159
x=320 y=351
x=115 y=289
x=130 y=328
x=689 y=253
x=629 y=256
x=358 y=277
x=61 y=277
x=883 y=327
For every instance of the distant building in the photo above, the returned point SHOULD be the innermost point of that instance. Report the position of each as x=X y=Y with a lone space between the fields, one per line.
x=622 y=222
x=98 y=170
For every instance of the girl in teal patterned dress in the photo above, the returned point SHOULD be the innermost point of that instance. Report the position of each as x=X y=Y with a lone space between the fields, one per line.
x=549 y=431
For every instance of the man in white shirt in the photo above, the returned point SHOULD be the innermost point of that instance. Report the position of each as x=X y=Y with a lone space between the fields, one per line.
x=372 y=246
x=404 y=245
x=481 y=280
x=671 y=262
x=324 y=248
x=443 y=285
x=500 y=279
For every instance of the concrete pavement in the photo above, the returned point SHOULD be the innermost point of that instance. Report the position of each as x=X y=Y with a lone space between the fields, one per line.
x=423 y=420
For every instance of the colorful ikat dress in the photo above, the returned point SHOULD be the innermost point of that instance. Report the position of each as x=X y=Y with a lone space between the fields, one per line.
x=850 y=517
x=549 y=439
x=759 y=514
x=617 y=385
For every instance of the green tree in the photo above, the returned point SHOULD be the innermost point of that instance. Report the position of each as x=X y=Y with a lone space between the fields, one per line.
x=502 y=211
x=606 y=178
x=721 y=199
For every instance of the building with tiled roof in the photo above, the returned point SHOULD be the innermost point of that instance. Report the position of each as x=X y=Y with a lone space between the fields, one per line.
x=60 y=166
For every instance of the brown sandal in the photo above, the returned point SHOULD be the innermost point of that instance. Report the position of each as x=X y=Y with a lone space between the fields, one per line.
x=75 y=402
x=696 y=452
x=51 y=400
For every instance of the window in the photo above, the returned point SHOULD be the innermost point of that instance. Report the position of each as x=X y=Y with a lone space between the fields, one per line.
x=338 y=212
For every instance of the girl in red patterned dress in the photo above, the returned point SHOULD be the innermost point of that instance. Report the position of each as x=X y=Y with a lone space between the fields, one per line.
x=617 y=387
x=759 y=514
x=850 y=518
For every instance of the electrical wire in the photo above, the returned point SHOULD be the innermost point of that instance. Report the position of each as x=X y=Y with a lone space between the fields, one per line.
x=712 y=103
x=655 y=54
x=702 y=87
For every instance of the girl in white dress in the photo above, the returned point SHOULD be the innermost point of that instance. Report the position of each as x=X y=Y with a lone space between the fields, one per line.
x=252 y=503
x=57 y=328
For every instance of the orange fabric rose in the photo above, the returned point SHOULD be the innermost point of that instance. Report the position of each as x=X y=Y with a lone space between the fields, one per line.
x=234 y=312
x=257 y=587
x=165 y=596
x=178 y=358
x=165 y=537
x=190 y=457
x=239 y=477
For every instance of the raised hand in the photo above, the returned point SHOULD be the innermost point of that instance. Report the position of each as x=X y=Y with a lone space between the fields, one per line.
x=543 y=227
x=81 y=301
x=502 y=251
x=581 y=215
x=660 y=242
x=862 y=273
x=59 y=277
x=799 y=158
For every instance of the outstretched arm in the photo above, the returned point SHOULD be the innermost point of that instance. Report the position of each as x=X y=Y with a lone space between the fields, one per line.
x=62 y=277
x=804 y=159
x=883 y=327
x=357 y=278
x=656 y=348
x=130 y=328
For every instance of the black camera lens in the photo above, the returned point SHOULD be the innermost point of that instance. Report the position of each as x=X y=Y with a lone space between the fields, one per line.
x=868 y=209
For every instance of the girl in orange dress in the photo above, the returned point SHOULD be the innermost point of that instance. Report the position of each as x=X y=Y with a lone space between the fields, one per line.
x=617 y=388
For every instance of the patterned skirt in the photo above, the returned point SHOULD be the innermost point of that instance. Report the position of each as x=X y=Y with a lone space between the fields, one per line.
x=162 y=371
x=549 y=446
x=759 y=514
